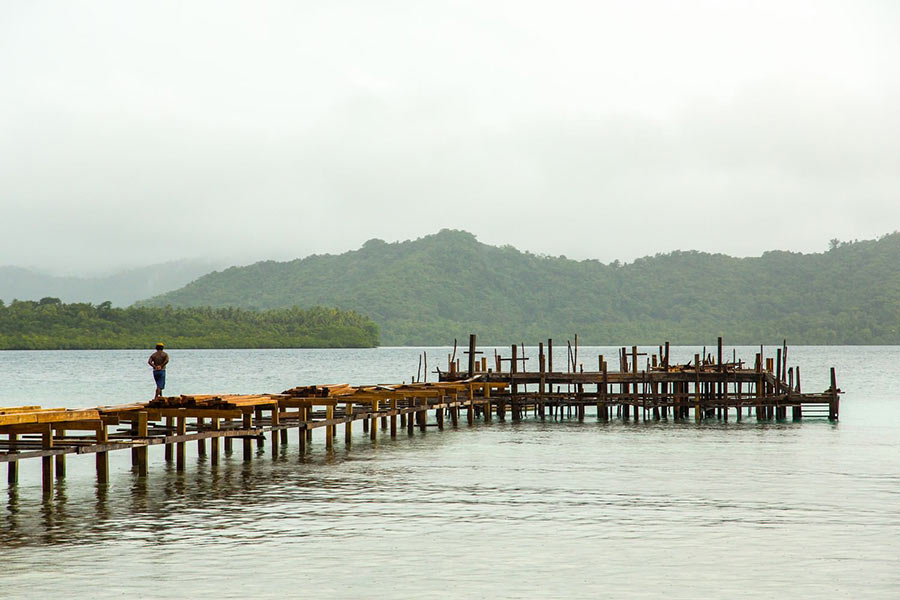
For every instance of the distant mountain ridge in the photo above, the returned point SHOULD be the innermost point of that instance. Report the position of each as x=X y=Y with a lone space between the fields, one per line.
x=121 y=289
x=445 y=285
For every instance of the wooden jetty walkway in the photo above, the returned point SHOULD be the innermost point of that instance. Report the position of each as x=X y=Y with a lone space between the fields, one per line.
x=708 y=385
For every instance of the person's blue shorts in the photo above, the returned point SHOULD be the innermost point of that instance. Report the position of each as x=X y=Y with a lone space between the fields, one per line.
x=160 y=378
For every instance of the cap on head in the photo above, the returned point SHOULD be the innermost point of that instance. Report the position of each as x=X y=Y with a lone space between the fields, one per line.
x=160 y=345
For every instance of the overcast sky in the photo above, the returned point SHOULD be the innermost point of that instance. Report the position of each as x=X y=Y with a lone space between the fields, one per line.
x=138 y=132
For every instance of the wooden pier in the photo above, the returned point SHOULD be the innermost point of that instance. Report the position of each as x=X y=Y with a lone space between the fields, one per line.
x=708 y=386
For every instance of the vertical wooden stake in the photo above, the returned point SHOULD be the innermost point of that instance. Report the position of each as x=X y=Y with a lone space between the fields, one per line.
x=283 y=434
x=697 y=412
x=228 y=442
x=834 y=405
x=257 y=418
x=201 y=443
x=142 y=450
x=329 y=430
x=12 y=473
x=373 y=426
x=47 y=462
x=247 y=423
x=170 y=424
x=214 y=443
x=276 y=421
x=394 y=416
x=348 y=424
x=61 y=460
x=422 y=415
x=181 y=429
x=301 y=439
x=102 y=458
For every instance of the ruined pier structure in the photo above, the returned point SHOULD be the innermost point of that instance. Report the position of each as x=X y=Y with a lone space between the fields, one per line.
x=708 y=386
x=647 y=386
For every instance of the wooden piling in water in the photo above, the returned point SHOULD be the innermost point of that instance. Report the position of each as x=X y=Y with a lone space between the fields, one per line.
x=142 y=450
x=246 y=423
x=181 y=429
x=393 y=417
x=12 y=467
x=170 y=427
x=348 y=424
x=201 y=443
x=276 y=421
x=214 y=442
x=47 y=462
x=102 y=458
x=329 y=429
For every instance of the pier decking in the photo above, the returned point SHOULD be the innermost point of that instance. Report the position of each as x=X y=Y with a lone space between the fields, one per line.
x=708 y=385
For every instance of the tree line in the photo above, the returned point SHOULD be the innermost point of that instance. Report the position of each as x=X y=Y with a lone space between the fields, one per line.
x=50 y=324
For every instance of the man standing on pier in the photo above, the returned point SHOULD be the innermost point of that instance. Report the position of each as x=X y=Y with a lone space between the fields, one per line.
x=158 y=360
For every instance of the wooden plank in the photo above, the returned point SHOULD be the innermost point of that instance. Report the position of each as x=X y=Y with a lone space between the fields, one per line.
x=48 y=416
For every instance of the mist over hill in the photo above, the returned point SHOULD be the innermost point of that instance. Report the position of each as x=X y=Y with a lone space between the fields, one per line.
x=121 y=289
x=441 y=286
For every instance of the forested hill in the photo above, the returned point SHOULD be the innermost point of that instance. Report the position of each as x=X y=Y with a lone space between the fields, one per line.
x=442 y=286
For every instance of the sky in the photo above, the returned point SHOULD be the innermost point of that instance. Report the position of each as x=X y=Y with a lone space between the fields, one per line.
x=134 y=133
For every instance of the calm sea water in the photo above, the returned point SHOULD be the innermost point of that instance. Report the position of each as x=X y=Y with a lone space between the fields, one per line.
x=507 y=510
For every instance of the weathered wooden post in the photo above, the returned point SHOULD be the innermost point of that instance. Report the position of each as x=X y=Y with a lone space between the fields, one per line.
x=542 y=384
x=60 y=459
x=257 y=418
x=246 y=423
x=550 y=355
x=12 y=472
x=142 y=450
x=697 y=412
x=214 y=442
x=422 y=414
x=201 y=443
x=170 y=428
x=834 y=405
x=329 y=430
x=348 y=422
x=514 y=387
x=302 y=428
x=373 y=426
x=102 y=458
x=47 y=462
x=394 y=408
x=181 y=424
x=605 y=391
x=276 y=421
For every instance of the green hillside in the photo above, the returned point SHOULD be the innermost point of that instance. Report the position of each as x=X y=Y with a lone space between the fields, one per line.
x=52 y=325
x=430 y=290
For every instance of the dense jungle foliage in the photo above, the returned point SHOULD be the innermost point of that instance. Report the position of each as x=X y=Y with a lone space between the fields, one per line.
x=443 y=286
x=50 y=324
